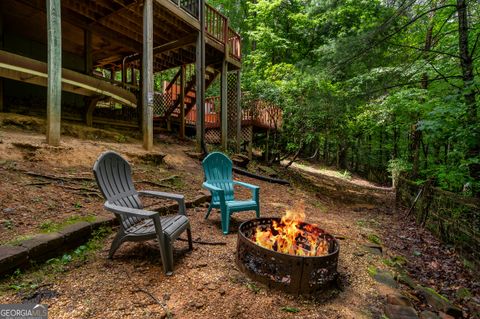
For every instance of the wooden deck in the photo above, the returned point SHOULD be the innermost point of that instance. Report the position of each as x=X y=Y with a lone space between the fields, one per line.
x=112 y=31
x=111 y=38
x=262 y=115
x=20 y=68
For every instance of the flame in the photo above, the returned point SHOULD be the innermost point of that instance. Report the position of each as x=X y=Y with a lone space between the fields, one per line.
x=292 y=236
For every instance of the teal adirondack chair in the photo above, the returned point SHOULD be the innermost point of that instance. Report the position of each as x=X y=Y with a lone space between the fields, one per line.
x=218 y=175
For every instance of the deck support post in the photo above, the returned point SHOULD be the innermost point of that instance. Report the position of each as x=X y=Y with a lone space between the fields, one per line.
x=200 y=78
x=54 y=89
x=91 y=104
x=181 y=130
x=147 y=75
x=2 y=107
x=224 y=105
x=1 y=96
x=239 y=112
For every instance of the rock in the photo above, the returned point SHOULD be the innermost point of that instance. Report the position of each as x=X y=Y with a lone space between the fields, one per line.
x=373 y=249
x=399 y=300
x=383 y=277
x=101 y=221
x=443 y=315
x=428 y=315
x=76 y=234
x=269 y=171
x=240 y=160
x=12 y=257
x=8 y=210
x=400 y=312
x=211 y=286
x=439 y=302
x=44 y=246
x=221 y=291
x=155 y=158
x=407 y=280
x=198 y=200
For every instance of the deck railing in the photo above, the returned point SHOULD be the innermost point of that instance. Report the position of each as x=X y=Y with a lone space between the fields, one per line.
x=234 y=42
x=263 y=115
x=216 y=25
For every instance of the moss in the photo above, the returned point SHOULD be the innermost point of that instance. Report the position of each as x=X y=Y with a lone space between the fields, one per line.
x=49 y=227
x=374 y=239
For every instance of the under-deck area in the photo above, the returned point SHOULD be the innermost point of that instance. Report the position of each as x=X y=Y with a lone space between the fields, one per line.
x=108 y=52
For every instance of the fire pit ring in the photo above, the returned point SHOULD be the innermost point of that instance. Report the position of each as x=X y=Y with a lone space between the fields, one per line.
x=289 y=273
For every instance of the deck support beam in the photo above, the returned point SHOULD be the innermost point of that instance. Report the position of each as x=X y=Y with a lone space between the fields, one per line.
x=200 y=80
x=147 y=76
x=54 y=88
x=224 y=105
x=181 y=130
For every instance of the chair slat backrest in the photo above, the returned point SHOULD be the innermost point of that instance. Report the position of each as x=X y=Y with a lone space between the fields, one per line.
x=114 y=178
x=218 y=172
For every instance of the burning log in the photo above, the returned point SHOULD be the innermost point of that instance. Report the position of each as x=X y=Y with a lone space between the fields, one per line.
x=292 y=236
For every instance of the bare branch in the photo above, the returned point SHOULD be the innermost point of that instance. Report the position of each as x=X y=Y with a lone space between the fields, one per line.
x=411 y=83
x=396 y=32
x=423 y=49
x=442 y=75
x=475 y=45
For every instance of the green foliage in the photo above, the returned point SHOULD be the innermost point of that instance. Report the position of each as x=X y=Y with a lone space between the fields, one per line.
x=253 y=287
x=355 y=81
x=49 y=226
x=290 y=309
x=8 y=224
x=374 y=239
x=395 y=261
x=29 y=280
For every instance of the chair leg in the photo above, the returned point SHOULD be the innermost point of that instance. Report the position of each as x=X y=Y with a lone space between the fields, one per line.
x=190 y=241
x=226 y=222
x=164 y=255
x=208 y=211
x=257 y=212
x=117 y=241
x=169 y=250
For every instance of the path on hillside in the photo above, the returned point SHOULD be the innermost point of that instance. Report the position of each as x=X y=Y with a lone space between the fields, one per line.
x=206 y=283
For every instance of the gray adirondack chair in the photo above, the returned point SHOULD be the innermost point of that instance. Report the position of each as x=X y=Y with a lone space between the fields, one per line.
x=114 y=178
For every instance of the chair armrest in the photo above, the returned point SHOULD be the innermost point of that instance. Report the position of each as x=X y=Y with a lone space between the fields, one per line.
x=128 y=211
x=255 y=189
x=246 y=185
x=178 y=197
x=162 y=194
x=214 y=189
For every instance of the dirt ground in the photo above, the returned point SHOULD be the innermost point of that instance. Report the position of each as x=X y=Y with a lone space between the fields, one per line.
x=206 y=282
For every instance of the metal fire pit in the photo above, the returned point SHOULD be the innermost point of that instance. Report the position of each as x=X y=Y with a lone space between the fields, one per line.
x=290 y=273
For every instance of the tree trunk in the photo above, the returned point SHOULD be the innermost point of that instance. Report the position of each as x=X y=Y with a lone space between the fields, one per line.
x=466 y=62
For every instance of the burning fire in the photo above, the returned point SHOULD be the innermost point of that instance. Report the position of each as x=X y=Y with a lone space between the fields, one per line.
x=292 y=236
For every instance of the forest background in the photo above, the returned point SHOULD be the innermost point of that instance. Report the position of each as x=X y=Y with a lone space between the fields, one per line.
x=373 y=87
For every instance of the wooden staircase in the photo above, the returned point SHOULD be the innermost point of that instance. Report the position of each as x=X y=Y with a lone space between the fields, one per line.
x=170 y=97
